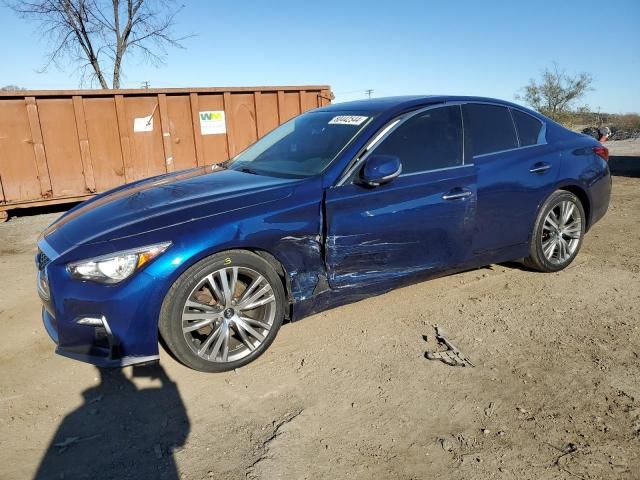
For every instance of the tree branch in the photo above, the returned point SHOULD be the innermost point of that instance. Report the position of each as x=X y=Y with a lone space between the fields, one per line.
x=92 y=35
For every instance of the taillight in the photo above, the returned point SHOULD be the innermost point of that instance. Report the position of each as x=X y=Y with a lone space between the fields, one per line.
x=602 y=152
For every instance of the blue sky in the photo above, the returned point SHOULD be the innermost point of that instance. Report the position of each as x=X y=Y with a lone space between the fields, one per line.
x=488 y=48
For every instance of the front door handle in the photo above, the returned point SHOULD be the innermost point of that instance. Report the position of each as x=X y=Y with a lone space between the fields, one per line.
x=540 y=167
x=456 y=194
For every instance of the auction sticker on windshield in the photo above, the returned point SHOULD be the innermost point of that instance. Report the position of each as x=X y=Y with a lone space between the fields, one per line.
x=347 y=120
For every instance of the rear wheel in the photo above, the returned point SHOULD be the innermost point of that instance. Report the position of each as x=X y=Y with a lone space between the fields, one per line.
x=223 y=312
x=558 y=233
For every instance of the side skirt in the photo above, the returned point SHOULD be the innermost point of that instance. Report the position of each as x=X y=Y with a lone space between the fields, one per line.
x=325 y=298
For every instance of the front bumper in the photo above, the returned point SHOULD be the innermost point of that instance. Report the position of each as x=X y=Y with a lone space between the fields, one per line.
x=103 y=351
x=104 y=325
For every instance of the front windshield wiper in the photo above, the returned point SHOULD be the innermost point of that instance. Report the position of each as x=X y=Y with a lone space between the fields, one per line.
x=248 y=170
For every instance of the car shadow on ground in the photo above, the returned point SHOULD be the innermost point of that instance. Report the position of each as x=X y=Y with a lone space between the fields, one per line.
x=516 y=265
x=121 y=431
x=624 y=166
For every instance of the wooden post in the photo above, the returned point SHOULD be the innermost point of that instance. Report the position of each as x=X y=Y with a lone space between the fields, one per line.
x=226 y=101
x=197 y=134
x=125 y=141
x=83 y=140
x=257 y=100
x=38 y=146
x=300 y=100
x=280 y=106
x=166 y=132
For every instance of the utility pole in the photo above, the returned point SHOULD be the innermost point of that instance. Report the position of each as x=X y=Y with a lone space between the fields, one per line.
x=146 y=84
x=368 y=92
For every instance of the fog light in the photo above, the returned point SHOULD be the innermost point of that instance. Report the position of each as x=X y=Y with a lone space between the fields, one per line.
x=103 y=336
x=91 y=321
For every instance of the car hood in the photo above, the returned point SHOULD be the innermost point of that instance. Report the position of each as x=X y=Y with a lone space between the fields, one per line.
x=163 y=201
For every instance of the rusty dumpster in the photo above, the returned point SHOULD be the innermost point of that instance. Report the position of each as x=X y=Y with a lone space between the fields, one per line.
x=64 y=146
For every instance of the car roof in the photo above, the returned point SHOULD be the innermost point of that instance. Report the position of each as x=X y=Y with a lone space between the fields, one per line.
x=384 y=104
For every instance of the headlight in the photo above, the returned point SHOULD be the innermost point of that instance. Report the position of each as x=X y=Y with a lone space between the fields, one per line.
x=116 y=267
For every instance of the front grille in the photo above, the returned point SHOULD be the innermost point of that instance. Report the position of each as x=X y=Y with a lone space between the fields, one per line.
x=41 y=260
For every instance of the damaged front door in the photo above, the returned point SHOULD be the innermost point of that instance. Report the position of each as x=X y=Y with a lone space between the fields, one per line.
x=422 y=220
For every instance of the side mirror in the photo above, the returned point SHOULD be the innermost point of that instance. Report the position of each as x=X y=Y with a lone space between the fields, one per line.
x=380 y=169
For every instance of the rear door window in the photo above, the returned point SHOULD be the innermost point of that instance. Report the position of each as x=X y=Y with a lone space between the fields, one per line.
x=428 y=141
x=489 y=128
x=528 y=128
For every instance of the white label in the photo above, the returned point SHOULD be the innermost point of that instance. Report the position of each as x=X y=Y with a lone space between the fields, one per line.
x=143 y=124
x=347 y=120
x=212 y=122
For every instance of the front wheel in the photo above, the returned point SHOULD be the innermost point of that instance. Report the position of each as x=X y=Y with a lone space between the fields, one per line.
x=558 y=233
x=223 y=312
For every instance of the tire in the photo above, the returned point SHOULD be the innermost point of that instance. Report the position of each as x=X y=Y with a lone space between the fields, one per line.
x=558 y=233
x=236 y=303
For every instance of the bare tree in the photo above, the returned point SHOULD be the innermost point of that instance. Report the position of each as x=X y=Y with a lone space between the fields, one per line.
x=11 y=88
x=97 y=34
x=556 y=93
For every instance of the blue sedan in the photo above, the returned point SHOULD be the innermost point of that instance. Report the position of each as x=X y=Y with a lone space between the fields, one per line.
x=338 y=204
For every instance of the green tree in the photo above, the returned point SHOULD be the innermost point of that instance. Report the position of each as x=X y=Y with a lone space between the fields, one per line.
x=556 y=93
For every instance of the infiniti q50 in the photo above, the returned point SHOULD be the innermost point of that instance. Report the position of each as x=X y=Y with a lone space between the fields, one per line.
x=339 y=203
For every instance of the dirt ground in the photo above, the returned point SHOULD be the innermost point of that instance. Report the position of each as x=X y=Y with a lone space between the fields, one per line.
x=348 y=393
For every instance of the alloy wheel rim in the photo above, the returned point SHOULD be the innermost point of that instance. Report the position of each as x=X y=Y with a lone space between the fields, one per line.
x=228 y=314
x=561 y=232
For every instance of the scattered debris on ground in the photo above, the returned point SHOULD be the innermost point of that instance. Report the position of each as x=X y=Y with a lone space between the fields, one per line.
x=452 y=356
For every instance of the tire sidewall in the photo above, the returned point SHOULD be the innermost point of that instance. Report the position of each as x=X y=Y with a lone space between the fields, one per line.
x=170 y=323
x=550 y=203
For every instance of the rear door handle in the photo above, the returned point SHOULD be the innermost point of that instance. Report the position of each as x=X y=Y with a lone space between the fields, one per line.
x=456 y=194
x=540 y=167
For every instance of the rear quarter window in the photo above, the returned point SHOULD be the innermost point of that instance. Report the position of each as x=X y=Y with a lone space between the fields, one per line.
x=528 y=127
x=488 y=128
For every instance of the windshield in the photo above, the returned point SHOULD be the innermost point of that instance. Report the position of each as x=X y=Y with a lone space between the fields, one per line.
x=302 y=147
